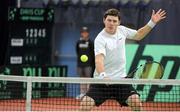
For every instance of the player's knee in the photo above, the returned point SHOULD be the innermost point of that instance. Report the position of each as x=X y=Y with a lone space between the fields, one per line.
x=134 y=102
x=87 y=103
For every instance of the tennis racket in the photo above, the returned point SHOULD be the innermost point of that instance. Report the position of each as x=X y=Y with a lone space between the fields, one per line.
x=149 y=70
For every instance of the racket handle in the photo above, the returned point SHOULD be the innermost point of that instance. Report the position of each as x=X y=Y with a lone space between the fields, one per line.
x=131 y=75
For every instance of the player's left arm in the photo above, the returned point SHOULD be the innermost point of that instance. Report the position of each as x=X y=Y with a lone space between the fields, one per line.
x=156 y=17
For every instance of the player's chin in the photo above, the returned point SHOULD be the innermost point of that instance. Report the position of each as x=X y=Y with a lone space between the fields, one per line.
x=111 y=30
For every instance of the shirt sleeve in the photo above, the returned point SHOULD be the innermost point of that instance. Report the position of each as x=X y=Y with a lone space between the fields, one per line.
x=130 y=33
x=99 y=46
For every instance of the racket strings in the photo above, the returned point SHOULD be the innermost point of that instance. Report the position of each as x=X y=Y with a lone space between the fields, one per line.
x=146 y=70
x=150 y=70
x=159 y=72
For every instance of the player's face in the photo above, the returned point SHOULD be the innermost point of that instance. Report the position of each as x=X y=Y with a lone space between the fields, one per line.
x=111 y=23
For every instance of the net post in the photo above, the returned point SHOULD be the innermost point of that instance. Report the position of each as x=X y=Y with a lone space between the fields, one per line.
x=28 y=93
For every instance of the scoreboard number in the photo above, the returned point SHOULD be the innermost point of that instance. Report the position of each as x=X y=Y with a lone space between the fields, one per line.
x=34 y=32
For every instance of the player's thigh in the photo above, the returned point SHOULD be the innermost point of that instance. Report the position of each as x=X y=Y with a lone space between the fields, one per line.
x=87 y=101
x=134 y=98
x=99 y=93
x=124 y=93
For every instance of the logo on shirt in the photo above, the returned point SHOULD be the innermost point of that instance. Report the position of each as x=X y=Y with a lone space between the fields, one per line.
x=84 y=45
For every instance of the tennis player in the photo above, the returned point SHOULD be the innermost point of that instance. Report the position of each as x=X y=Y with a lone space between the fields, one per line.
x=110 y=61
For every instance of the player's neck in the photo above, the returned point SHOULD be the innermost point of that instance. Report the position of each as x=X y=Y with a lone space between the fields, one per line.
x=109 y=32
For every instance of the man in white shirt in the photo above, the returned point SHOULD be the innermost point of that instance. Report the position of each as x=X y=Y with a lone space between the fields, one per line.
x=110 y=60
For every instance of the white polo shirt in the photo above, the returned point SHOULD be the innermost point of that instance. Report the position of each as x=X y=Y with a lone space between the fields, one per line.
x=113 y=48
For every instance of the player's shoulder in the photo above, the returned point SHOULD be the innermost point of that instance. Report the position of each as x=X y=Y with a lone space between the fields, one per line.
x=100 y=35
x=100 y=38
x=122 y=27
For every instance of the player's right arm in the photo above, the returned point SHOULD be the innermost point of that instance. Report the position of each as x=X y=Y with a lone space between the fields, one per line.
x=100 y=54
x=99 y=62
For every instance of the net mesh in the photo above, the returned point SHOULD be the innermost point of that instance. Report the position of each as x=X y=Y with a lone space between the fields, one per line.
x=20 y=93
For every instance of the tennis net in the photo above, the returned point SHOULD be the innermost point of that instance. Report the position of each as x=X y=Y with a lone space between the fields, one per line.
x=20 y=93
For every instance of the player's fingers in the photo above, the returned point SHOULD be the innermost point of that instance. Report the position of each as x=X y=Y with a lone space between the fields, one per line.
x=163 y=13
x=163 y=17
x=153 y=12
x=158 y=12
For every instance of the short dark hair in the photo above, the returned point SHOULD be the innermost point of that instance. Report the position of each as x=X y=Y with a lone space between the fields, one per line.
x=112 y=12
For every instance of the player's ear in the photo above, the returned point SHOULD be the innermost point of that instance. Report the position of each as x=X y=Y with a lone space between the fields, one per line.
x=103 y=20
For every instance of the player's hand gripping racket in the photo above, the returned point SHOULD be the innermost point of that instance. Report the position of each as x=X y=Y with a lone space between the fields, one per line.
x=149 y=70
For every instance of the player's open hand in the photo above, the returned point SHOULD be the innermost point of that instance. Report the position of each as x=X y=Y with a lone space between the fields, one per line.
x=158 y=16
